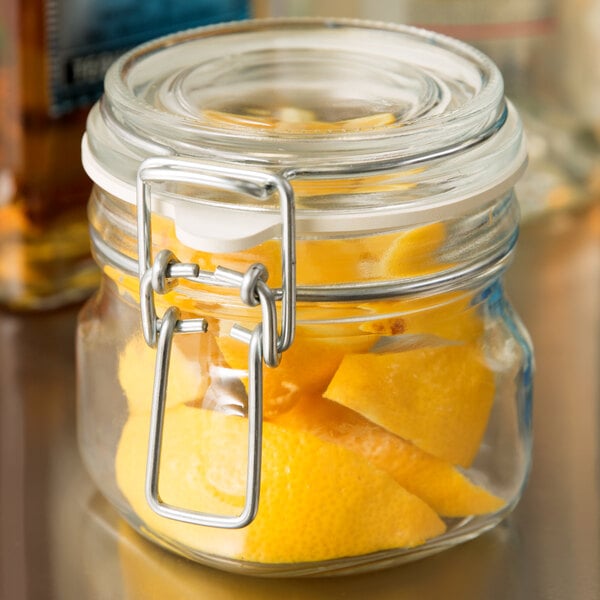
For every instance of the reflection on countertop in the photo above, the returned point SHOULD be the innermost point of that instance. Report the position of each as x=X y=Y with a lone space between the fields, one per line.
x=61 y=540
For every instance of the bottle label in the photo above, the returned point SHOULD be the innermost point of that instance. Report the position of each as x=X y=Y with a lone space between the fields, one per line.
x=85 y=37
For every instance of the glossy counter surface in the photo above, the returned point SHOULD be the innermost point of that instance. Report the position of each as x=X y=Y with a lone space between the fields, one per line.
x=60 y=540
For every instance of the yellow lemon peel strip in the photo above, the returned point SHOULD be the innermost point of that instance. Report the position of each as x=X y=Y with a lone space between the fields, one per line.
x=439 y=398
x=437 y=482
x=451 y=316
x=306 y=367
x=318 y=500
x=187 y=379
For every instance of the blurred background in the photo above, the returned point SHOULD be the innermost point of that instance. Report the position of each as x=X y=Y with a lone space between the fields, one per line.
x=54 y=53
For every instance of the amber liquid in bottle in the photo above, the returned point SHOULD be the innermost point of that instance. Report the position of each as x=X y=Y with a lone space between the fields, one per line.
x=44 y=246
x=53 y=56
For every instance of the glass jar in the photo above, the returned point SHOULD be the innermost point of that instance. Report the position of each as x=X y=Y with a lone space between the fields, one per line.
x=301 y=360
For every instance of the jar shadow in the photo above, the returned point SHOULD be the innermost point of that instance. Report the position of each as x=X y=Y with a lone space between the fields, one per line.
x=139 y=570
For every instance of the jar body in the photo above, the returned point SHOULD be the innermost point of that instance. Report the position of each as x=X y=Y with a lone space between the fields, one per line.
x=393 y=427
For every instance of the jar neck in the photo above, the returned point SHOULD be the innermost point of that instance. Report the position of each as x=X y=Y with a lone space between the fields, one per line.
x=460 y=253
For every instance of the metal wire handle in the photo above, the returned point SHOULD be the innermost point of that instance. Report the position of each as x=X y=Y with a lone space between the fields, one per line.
x=258 y=184
x=265 y=343
x=170 y=323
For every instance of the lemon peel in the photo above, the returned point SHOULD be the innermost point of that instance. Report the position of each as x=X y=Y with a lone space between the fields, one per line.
x=306 y=367
x=437 y=482
x=187 y=379
x=451 y=316
x=439 y=397
x=318 y=501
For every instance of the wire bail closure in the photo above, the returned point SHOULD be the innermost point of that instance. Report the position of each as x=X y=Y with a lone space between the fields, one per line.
x=265 y=342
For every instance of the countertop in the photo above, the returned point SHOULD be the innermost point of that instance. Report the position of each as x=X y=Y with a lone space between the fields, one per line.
x=61 y=540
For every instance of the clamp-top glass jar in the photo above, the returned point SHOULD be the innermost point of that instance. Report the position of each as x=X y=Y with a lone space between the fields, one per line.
x=301 y=359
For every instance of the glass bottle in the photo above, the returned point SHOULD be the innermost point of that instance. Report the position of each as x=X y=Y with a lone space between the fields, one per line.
x=53 y=56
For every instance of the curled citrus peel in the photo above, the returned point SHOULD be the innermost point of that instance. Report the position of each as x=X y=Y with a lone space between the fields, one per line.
x=188 y=371
x=438 y=397
x=318 y=501
x=436 y=481
x=306 y=367
x=450 y=316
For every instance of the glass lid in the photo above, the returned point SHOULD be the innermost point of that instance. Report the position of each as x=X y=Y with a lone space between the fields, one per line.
x=368 y=121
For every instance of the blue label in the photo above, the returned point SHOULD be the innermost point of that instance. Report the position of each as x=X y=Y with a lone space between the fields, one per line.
x=86 y=36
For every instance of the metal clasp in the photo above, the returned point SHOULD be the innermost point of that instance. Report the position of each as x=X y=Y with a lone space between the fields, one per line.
x=265 y=342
